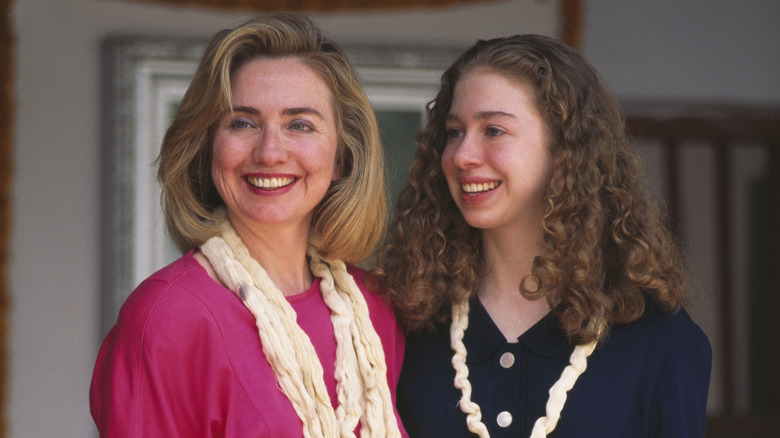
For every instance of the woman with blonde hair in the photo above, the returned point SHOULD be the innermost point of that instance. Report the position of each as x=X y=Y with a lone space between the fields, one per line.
x=273 y=185
x=536 y=276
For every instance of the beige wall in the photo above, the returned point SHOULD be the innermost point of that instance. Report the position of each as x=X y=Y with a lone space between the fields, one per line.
x=56 y=249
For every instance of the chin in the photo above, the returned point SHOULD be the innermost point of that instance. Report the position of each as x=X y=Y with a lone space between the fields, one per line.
x=478 y=222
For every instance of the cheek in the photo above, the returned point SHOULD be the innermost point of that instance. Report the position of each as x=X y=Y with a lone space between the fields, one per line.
x=447 y=165
x=543 y=176
x=222 y=164
x=217 y=161
x=449 y=169
x=225 y=154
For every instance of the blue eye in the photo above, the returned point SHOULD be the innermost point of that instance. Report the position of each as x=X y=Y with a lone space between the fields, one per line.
x=240 y=124
x=494 y=132
x=454 y=133
x=301 y=126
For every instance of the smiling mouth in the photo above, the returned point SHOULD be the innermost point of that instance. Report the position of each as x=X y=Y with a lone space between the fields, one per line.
x=474 y=189
x=270 y=183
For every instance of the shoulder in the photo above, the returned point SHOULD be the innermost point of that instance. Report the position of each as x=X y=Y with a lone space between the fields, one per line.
x=680 y=336
x=665 y=330
x=177 y=316
x=177 y=300
x=179 y=281
x=671 y=359
x=657 y=341
x=372 y=291
x=656 y=371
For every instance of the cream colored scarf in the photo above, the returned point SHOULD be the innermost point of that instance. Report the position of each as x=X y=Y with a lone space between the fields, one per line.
x=361 y=372
x=543 y=425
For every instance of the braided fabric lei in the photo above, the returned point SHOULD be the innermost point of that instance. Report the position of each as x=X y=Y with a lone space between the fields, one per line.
x=558 y=392
x=361 y=383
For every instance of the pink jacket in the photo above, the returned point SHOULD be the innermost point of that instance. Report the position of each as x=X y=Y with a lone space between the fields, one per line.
x=185 y=360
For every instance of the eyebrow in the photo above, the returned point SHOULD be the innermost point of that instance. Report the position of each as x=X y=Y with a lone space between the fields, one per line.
x=484 y=115
x=303 y=110
x=245 y=109
x=288 y=111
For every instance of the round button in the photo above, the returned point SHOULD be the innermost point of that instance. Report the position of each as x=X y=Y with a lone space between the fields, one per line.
x=504 y=419
x=507 y=360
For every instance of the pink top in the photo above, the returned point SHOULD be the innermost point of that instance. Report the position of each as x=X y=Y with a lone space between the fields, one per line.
x=185 y=360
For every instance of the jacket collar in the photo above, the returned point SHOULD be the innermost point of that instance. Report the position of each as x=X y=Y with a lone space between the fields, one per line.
x=483 y=338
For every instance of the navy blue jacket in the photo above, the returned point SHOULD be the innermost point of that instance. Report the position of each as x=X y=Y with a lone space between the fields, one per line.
x=648 y=379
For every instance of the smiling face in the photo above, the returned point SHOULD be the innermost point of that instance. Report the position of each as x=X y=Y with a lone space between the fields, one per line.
x=274 y=155
x=496 y=161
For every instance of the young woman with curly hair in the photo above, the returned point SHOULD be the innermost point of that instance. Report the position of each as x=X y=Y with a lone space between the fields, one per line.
x=528 y=243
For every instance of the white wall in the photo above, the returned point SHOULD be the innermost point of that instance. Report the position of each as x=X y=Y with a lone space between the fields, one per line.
x=715 y=50
x=56 y=260
x=705 y=50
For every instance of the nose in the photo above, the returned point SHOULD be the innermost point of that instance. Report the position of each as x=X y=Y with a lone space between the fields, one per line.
x=467 y=152
x=269 y=149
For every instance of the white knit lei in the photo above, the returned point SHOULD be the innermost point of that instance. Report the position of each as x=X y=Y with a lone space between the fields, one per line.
x=543 y=425
x=361 y=372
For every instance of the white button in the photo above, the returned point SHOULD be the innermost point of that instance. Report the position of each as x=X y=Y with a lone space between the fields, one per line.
x=504 y=419
x=507 y=360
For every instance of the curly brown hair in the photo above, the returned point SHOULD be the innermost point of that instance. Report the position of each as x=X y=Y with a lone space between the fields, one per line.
x=607 y=247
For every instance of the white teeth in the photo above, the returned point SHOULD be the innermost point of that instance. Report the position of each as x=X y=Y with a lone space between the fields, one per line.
x=481 y=187
x=271 y=183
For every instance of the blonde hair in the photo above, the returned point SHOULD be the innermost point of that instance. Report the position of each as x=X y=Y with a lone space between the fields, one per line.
x=350 y=220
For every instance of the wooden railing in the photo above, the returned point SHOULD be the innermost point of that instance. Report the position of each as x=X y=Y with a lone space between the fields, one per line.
x=724 y=130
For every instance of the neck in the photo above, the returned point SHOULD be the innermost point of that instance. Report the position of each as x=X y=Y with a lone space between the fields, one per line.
x=509 y=257
x=281 y=251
